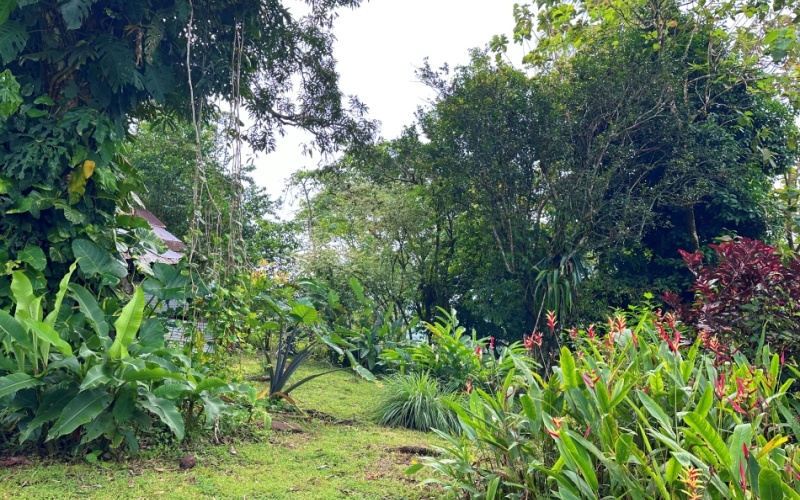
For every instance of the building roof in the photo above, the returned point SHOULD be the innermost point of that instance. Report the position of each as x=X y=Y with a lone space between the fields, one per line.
x=173 y=243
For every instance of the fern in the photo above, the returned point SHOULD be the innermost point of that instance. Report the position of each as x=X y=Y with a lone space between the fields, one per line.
x=13 y=38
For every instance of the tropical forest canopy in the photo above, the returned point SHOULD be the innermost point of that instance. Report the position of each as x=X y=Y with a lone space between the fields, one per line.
x=570 y=181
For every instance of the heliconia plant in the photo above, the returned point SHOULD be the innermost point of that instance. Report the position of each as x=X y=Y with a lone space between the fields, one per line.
x=646 y=410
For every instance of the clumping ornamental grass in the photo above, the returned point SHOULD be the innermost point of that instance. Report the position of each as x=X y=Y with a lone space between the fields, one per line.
x=416 y=401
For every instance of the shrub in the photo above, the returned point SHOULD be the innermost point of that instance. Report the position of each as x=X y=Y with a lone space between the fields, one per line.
x=416 y=401
x=750 y=290
x=455 y=359
x=70 y=378
x=640 y=412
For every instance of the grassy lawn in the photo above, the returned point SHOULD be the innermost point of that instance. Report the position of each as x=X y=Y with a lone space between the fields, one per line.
x=337 y=454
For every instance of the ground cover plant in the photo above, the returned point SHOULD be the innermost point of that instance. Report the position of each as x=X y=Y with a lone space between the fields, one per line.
x=333 y=451
x=644 y=408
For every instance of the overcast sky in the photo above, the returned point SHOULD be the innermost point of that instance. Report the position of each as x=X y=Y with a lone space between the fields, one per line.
x=379 y=46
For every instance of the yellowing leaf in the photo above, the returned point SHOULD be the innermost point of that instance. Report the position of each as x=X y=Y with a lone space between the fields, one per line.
x=672 y=24
x=88 y=169
x=774 y=443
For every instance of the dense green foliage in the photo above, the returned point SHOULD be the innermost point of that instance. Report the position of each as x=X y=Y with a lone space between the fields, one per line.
x=70 y=381
x=569 y=188
x=637 y=412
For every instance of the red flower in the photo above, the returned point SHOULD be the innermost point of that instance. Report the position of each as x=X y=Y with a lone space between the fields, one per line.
x=719 y=386
x=736 y=406
x=573 y=333
x=491 y=343
x=551 y=320
x=742 y=477
x=746 y=451
x=478 y=350
x=590 y=331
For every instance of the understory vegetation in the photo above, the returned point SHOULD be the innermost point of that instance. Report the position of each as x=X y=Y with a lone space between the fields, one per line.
x=574 y=276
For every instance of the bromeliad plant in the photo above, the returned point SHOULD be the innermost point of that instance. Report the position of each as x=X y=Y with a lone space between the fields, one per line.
x=72 y=380
x=641 y=412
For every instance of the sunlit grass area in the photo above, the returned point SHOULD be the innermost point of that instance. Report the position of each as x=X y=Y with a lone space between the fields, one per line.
x=337 y=453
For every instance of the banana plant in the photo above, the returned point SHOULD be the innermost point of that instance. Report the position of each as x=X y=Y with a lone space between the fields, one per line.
x=72 y=374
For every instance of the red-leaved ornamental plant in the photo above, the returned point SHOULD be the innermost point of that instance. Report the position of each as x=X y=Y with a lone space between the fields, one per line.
x=749 y=290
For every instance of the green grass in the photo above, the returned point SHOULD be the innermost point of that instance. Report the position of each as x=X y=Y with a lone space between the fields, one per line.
x=338 y=457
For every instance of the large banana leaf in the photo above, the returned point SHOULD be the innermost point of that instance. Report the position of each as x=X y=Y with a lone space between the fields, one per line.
x=127 y=325
x=83 y=408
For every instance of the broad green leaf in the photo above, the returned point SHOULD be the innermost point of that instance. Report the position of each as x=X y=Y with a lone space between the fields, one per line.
x=62 y=291
x=93 y=260
x=706 y=401
x=358 y=290
x=656 y=411
x=167 y=412
x=304 y=314
x=209 y=383
x=27 y=305
x=127 y=325
x=97 y=376
x=53 y=402
x=770 y=485
x=104 y=423
x=16 y=382
x=212 y=408
x=33 y=256
x=89 y=306
x=707 y=433
x=673 y=470
x=10 y=327
x=149 y=375
x=568 y=369
x=124 y=405
x=171 y=391
x=75 y=12
x=46 y=333
x=742 y=434
x=83 y=408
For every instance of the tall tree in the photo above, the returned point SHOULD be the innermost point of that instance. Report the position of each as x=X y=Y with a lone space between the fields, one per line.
x=77 y=72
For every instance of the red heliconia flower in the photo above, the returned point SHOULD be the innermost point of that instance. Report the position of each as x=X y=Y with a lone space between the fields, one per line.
x=536 y=338
x=742 y=476
x=746 y=451
x=612 y=326
x=783 y=357
x=635 y=339
x=527 y=340
x=621 y=322
x=555 y=434
x=719 y=386
x=551 y=320
x=736 y=406
x=478 y=350
x=573 y=333
x=740 y=392
x=590 y=331
x=588 y=380
x=491 y=343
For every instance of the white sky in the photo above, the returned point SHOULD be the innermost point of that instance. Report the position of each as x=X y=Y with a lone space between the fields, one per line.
x=379 y=46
